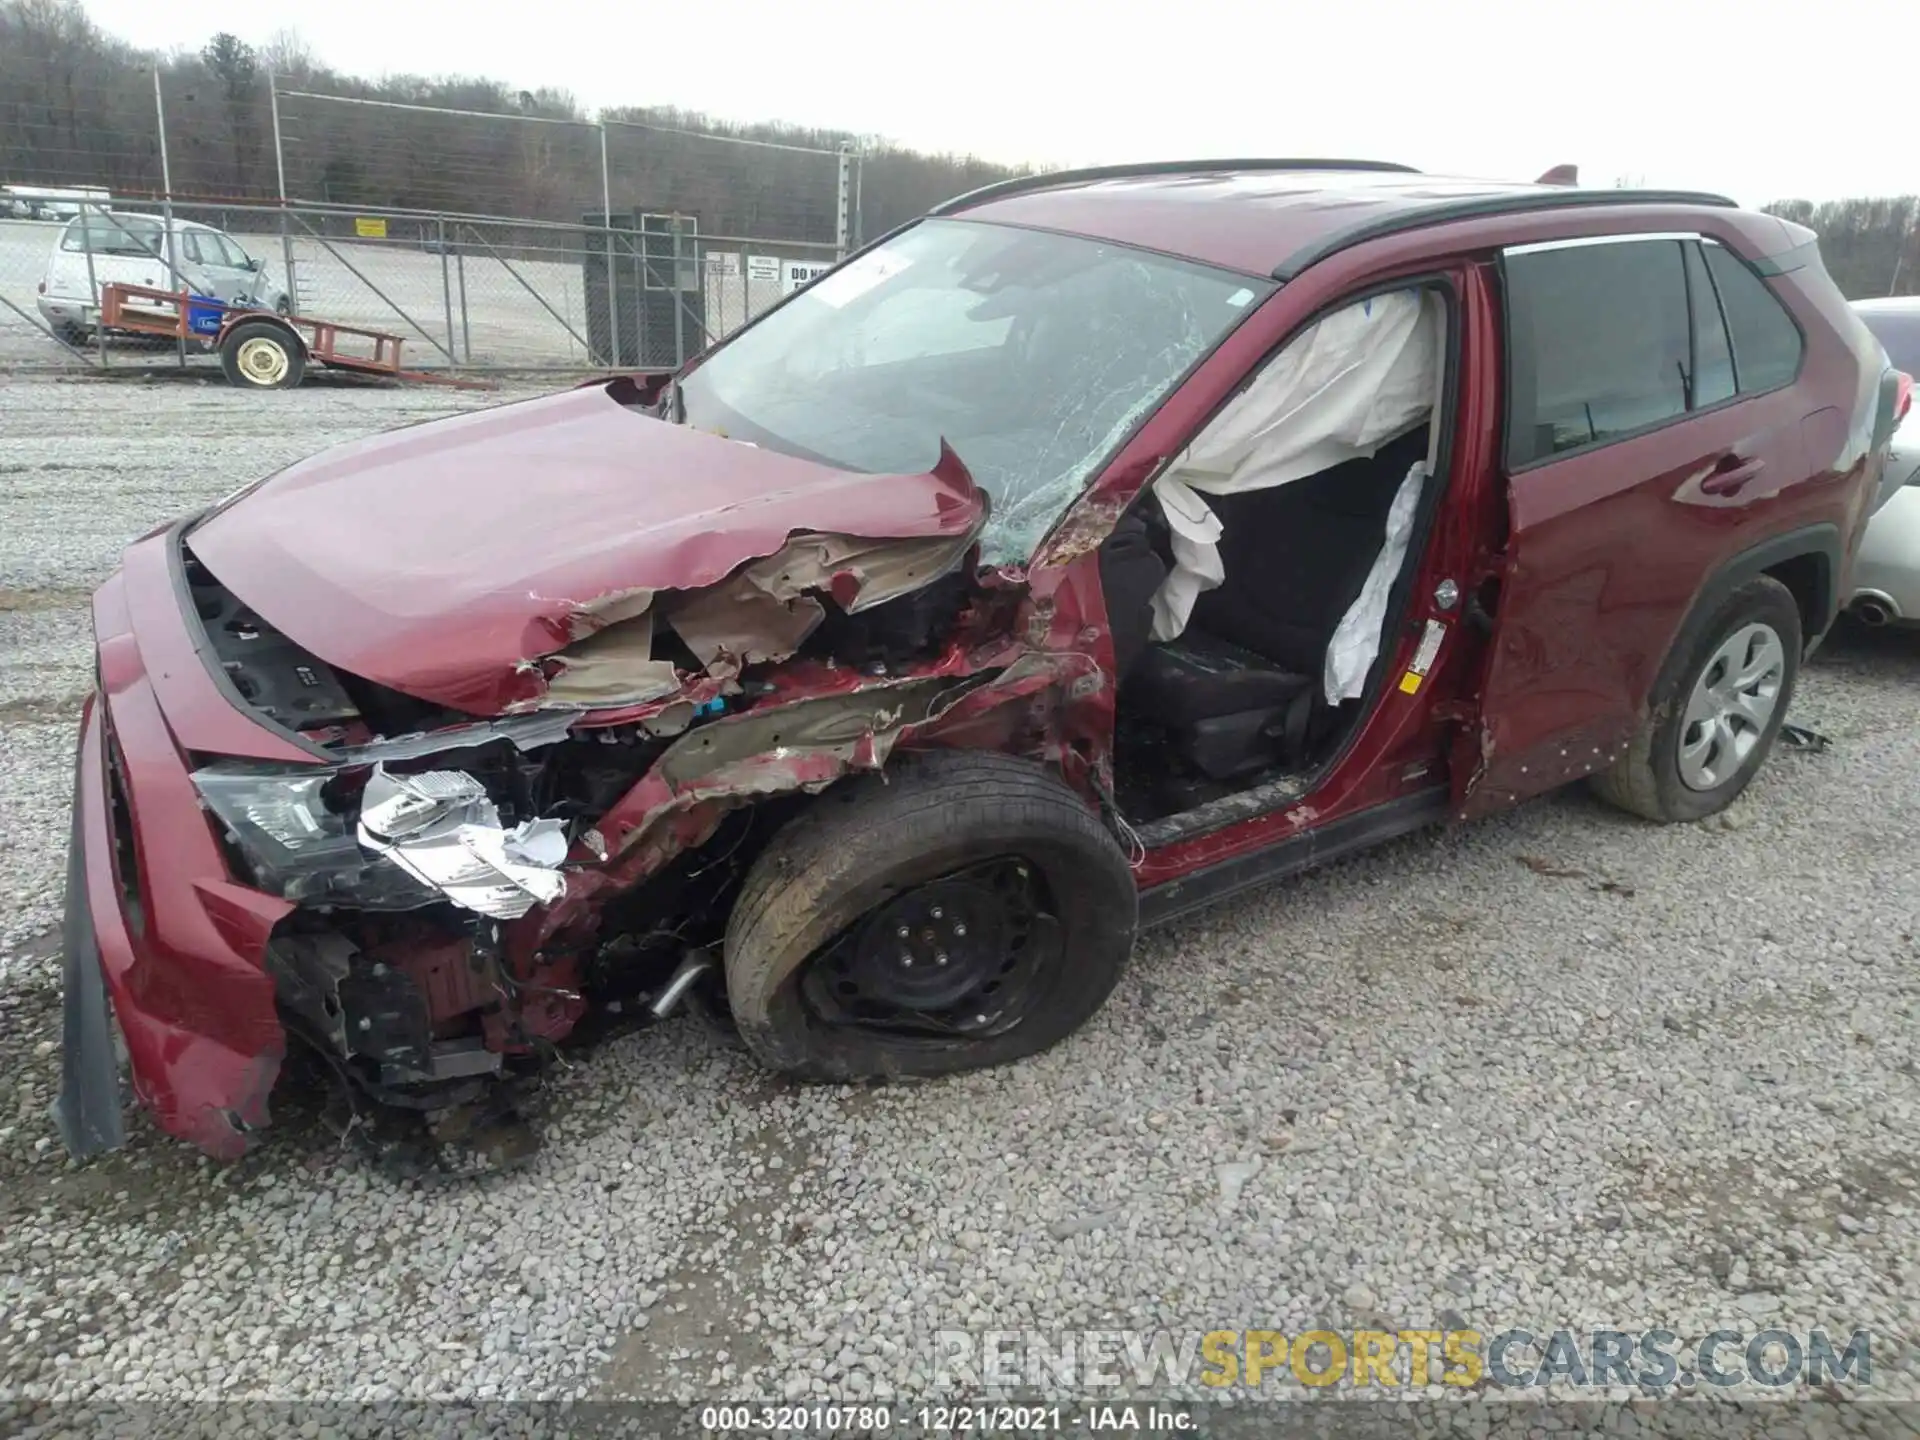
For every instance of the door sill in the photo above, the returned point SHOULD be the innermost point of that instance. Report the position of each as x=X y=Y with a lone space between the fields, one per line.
x=1362 y=830
x=1205 y=819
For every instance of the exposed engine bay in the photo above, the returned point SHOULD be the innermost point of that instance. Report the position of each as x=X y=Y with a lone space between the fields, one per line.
x=469 y=888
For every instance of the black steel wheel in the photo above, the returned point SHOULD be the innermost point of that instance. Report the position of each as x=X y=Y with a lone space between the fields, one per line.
x=955 y=956
x=967 y=910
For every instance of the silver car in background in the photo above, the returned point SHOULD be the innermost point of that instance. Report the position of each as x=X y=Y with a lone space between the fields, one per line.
x=1886 y=570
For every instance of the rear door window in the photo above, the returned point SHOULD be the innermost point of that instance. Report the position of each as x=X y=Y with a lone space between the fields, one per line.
x=112 y=235
x=1598 y=343
x=1766 y=342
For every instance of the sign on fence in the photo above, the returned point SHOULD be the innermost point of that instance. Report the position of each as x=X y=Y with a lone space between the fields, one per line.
x=370 y=227
x=724 y=263
x=763 y=267
x=796 y=273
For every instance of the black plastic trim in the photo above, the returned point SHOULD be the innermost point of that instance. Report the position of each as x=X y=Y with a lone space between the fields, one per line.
x=1786 y=261
x=1020 y=184
x=87 y=1110
x=1821 y=540
x=203 y=646
x=1361 y=831
x=1518 y=202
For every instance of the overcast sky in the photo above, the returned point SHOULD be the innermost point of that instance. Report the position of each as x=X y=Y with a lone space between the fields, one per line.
x=1759 y=101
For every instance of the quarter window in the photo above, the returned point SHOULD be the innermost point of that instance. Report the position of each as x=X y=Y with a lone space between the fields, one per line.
x=1766 y=342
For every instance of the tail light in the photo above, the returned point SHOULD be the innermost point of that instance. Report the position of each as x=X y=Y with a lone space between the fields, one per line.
x=1903 y=400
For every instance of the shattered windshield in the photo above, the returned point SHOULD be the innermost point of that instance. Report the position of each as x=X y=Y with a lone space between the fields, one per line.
x=1032 y=354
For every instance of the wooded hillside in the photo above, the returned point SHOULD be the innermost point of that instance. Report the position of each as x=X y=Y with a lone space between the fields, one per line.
x=77 y=107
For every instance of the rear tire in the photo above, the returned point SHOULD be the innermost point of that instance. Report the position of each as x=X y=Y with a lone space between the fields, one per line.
x=259 y=355
x=1715 y=711
x=926 y=832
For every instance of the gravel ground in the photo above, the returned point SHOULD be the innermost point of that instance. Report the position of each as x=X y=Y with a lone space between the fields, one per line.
x=1560 y=1067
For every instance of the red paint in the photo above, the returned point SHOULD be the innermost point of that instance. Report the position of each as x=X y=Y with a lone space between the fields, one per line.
x=439 y=558
x=1609 y=548
x=194 y=1004
x=436 y=559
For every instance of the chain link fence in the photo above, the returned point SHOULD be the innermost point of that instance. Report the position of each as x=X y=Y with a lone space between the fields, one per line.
x=486 y=242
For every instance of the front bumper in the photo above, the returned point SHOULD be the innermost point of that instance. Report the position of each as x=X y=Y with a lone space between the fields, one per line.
x=156 y=924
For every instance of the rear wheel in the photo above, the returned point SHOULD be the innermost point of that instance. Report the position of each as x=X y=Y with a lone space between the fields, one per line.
x=1715 y=711
x=965 y=910
x=262 y=356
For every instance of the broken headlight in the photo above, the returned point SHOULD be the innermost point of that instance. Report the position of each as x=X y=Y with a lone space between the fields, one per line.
x=441 y=827
x=296 y=845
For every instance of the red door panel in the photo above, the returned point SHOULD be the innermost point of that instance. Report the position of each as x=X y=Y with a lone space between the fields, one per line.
x=1607 y=549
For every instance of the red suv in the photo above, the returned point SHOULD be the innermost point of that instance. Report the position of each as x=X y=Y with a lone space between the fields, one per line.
x=1095 y=547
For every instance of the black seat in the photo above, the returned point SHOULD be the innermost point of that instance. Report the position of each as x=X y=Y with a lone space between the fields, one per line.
x=1240 y=690
x=1297 y=556
x=1229 y=708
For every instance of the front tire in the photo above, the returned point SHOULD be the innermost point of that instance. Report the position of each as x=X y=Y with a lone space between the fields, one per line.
x=1715 y=711
x=259 y=355
x=965 y=909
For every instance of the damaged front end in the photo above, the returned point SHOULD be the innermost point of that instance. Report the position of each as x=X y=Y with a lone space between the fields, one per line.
x=448 y=894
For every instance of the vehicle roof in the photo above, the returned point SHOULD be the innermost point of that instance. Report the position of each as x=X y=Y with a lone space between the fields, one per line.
x=1888 y=305
x=178 y=223
x=1268 y=217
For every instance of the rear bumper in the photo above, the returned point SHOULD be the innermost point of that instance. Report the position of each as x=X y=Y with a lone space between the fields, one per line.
x=156 y=925
x=65 y=312
x=1887 y=564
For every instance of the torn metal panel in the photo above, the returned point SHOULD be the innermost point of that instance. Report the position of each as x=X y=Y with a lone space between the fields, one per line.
x=551 y=520
x=836 y=723
x=764 y=610
x=738 y=623
x=440 y=827
x=611 y=666
x=761 y=613
x=772 y=748
x=612 y=608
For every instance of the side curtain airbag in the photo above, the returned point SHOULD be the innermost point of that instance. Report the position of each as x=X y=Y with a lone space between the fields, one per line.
x=1348 y=384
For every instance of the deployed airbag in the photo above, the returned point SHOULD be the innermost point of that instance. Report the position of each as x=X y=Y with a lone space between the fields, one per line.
x=1351 y=382
x=1356 y=639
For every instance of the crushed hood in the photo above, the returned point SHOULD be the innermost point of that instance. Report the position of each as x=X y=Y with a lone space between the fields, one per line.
x=443 y=559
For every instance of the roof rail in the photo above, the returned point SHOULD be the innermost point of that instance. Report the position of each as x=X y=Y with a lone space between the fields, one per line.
x=1019 y=183
x=1517 y=202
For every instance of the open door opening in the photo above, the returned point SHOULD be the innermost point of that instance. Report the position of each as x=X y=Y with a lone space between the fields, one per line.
x=1252 y=589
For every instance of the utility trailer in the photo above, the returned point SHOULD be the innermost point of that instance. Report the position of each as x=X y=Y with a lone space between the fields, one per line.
x=259 y=349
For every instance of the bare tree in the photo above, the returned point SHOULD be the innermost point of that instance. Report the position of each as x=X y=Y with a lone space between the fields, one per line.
x=286 y=53
x=76 y=107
